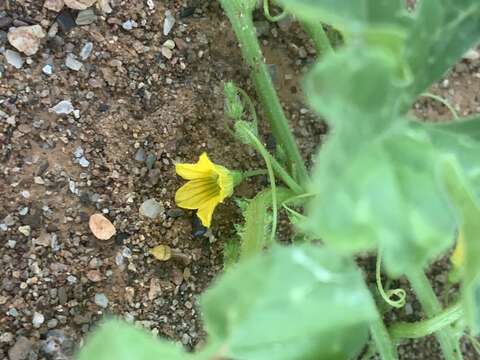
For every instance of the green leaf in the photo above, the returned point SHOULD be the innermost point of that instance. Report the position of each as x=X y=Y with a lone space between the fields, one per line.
x=348 y=15
x=468 y=210
x=461 y=139
x=360 y=96
x=292 y=303
x=120 y=341
x=383 y=193
x=443 y=31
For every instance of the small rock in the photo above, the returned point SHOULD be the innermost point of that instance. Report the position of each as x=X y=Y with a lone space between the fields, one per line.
x=101 y=227
x=86 y=50
x=14 y=59
x=166 y=52
x=94 y=276
x=86 y=17
x=105 y=6
x=78 y=153
x=140 y=155
x=175 y=213
x=6 y=337
x=170 y=44
x=54 y=5
x=187 y=12
x=129 y=25
x=168 y=22
x=38 y=319
x=21 y=349
x=26 y=38
x=161 y=252
x=65 y=21
x=101 y=300
x=72 y=63
x=5 y=22
x=52 y=323
x=79 y=4
x=63 y=107
x=150 y=160
x=47 y=69
x=151 y=208
x=11 y=244
x=84 y=162
x=198 y=230
x=472 y=55
x=25 y=230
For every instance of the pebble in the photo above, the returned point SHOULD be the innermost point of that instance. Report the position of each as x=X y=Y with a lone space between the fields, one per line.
x=86 y=50
x=14 y=58
x=11 y=244
x=140 y=155
x=25 y=230
x=52 y=323
x=38 y=319
x=78 y=153
x=47 y=69
x=94 y=275
x=63 y=107
x=79 y=4
x=150 y=161
x=72 y=63
x=151 y=208
x=54 y=5
x=472 y=55
x=86 y=17
x=26 y=38
x=175 y=213
x=21 y=349
x=84 y=162
x=129 y=25
x=168 y=22
x=65 y=21
x=101 y=300
x=198 y=230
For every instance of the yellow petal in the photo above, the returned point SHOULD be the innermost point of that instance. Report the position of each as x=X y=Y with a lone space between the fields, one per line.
x=195 y=193
x=203 y=168
x=205 y=212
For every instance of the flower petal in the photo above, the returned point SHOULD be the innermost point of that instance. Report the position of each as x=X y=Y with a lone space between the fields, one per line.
x=206 y=211
x=225 y=182
x=203 y=168
x=195 y=193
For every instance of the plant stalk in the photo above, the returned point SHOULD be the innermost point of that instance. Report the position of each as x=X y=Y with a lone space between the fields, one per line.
x=319 y=37
x=240 y=16
x=432 y=307
x=382 y=339
x=405 y=330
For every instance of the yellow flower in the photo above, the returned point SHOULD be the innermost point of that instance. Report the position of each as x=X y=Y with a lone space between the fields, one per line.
x=209 y=184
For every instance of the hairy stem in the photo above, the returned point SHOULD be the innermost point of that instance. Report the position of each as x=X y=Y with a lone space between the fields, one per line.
x=240 y=16
x=382 y=339
x=319 y=37
x=447 y=317
x=432 y=307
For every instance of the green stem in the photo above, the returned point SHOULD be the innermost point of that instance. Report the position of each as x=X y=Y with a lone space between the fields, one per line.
x=432 y=307
x=250 y=173
x=239 y=13
x=274 y=18
x=285 y=176
x=427 y=327
x=442 y=101
x=383 y=343
x=319 y=37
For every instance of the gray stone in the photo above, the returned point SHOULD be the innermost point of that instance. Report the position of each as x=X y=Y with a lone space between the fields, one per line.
x=47 y=69
x=168 y=22
x=129 y=25
x=86 y=17
x=14 y=58
x=140 y=155
x=21 y=349
x=38 y=319
x=86 y=50
x=63 y=107
x=72 y=63
x=151 y=208
x=101 y=300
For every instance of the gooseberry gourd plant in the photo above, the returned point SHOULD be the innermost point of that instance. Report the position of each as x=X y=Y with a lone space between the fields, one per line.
x=384 y=184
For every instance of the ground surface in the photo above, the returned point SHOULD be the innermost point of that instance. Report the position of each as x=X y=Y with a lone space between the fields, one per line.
x=139 y=112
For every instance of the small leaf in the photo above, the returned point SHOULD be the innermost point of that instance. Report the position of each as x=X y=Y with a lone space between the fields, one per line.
x=101 y=227
x=291 y=303
x=117 y=340
x=161 y=252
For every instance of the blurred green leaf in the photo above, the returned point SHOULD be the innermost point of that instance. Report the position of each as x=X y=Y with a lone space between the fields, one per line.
x=468 y=210
x=443 y=31
x=348 y=14
x=292 y=303
x=120 y=341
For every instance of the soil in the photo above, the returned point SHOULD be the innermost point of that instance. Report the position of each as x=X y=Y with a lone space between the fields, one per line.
x=139 y=113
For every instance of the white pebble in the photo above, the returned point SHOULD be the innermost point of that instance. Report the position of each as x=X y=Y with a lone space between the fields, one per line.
x=63 y=107
x=168 y=22
x=47 y=69
x=14 y=59
x=38 y=319
x=72 y=63
x=86 y=50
